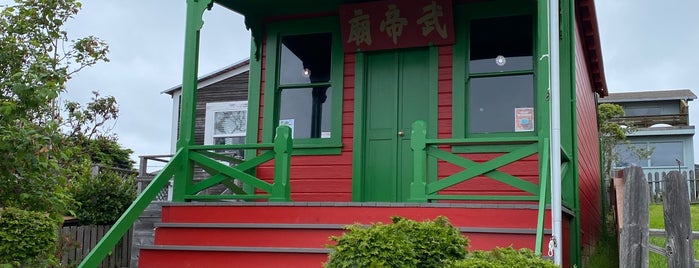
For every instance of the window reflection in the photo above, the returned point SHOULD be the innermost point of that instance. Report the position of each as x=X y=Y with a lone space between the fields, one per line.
x=508 y=37
x=305 y=58
x=492 y=102
x=308 y=111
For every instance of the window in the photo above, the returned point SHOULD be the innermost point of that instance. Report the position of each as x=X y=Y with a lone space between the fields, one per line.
x=305 y=61
x=225 y=123
x=501 y=74
x=663 y=154
x=304 y=81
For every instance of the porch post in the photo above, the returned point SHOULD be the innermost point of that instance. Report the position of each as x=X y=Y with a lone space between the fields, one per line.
x=194 y=22
x=283 y=146
x=418 y=137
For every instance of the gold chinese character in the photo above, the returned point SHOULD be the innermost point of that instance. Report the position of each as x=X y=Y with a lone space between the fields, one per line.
x=393 y=24
x=430 y=20
x=360 y=30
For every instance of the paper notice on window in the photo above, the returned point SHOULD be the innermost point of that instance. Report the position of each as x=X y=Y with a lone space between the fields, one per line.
x=325 y=134
x=288 y=122
x=524 y=119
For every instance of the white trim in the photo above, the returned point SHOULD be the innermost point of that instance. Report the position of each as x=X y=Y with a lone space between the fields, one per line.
x=175 y=120
x=212 y=108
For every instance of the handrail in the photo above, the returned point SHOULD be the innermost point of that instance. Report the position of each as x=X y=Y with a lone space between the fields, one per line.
x=279 y=190
x=124 y=223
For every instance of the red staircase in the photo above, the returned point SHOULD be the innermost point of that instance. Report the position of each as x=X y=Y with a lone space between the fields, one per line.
x=295 y=234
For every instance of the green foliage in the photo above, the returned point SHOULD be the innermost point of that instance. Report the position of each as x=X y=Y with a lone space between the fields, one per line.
x=37 y=59
x=606 y=252
x=104 y=198
x=503 y=258
x=27 y=239
x=405 y=243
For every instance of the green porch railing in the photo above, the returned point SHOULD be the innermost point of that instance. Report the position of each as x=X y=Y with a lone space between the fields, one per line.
x=205 y=156
x=426 y=189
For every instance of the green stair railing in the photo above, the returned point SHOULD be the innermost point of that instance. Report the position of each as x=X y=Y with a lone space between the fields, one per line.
x=205 y=157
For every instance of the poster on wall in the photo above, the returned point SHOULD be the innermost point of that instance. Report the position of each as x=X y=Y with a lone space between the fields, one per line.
x=524 y=119
x=288 y=122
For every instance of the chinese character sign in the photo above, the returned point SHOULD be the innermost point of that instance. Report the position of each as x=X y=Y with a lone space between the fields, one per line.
x=392 y=24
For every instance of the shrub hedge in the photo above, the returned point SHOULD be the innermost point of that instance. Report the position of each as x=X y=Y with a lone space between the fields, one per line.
x=27 y=238
x=405 y=243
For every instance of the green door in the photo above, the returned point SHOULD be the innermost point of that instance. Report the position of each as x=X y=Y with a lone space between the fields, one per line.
x=397 y=94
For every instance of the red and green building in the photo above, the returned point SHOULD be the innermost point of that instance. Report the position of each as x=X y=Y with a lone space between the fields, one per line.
x=361 y=110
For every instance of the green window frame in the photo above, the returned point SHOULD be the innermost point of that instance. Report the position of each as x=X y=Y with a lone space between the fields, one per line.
x=462 y=76
x=273 y=88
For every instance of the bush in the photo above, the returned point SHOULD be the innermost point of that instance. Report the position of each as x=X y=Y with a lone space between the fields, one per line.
x=27 y=238
x=405 y=243
x=103 y=199
x=503 y=258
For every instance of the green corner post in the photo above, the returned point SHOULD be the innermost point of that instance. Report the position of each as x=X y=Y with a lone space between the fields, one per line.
x=283 y=144
x=194 y=22
x=418 y=140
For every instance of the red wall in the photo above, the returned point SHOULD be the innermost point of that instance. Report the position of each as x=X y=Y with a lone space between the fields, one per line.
x=588 y=150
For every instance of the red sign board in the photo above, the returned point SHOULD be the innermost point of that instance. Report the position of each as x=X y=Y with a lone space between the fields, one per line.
x=396 y=24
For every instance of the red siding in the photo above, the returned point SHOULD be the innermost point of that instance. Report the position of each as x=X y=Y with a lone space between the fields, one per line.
x=588 y=150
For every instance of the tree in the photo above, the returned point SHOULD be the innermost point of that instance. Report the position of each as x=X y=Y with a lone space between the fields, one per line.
x=612 y=134
x=36 y=60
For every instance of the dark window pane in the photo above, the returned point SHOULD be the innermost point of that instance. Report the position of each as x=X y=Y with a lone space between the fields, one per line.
x=642 y=111
x=501 y=44
x=305 y=58
x=308 y=111
x=628 y=155
x=493 y=102
x=665 y=153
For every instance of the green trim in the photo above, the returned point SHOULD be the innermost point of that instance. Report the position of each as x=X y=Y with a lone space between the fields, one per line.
x=544 y=182
x=464 y=13
x=254 y=84
x=359 y=137
x=195 y=11
x=272 y=86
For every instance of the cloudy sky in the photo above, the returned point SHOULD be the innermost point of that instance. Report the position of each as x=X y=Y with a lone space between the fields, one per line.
x=647 y=45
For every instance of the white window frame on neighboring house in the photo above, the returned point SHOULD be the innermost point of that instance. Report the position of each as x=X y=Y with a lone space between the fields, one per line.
x=216 y=107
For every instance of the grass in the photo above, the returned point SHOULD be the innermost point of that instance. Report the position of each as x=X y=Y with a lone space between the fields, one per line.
x=656 y=221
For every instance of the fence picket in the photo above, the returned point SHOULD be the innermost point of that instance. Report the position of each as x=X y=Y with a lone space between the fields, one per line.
x=678 y=224
x=633 y=247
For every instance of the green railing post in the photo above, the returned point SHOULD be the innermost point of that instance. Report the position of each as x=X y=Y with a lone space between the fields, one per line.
x=194 y=23
x=283 y=144
x=418 y=138
x=544 y=177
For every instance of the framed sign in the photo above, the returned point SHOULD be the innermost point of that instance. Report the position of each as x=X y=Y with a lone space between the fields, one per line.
x=396 y=24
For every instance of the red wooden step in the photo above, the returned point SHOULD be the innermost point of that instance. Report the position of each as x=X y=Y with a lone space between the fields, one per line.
x=247 y=235
x=213 y=257
x=479 y=215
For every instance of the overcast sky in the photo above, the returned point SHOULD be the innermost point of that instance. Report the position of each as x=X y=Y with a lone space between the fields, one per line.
x=647 y=45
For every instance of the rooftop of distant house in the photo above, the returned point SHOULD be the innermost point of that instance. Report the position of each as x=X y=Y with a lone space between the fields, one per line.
x=656 y=95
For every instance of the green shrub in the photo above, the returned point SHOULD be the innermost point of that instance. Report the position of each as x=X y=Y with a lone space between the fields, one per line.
x=27 y=238
x=405 y=243
x=103 y=199
x=503 y=258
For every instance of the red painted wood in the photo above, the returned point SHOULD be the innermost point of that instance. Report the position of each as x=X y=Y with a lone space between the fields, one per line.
x=466 y=217
x=588 y=155
x=247 y=237
x=198 y=259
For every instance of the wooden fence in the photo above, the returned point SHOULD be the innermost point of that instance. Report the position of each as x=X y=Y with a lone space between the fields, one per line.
x=77 y=241
x=656 y=184
x=632 y=214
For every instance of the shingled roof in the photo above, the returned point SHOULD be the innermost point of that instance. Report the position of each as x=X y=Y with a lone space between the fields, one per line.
x=658 y=95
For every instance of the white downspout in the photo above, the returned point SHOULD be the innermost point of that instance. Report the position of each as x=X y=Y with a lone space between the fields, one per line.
x=554 y=80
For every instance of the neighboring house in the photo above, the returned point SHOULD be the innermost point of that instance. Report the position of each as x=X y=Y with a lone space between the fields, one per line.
x=221 y=106
x=661 y=119
x=362 y=110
